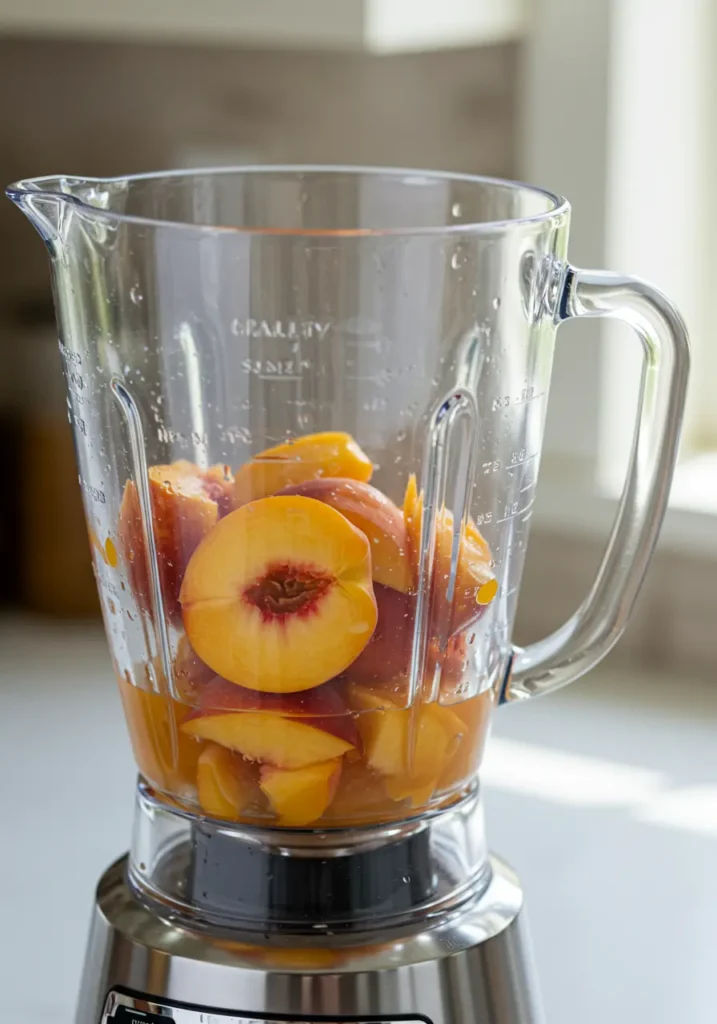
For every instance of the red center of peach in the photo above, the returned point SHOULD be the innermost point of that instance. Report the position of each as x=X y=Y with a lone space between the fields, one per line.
x=287 y=590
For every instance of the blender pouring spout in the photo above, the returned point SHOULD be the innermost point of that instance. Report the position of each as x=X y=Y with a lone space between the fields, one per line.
x=45 y=201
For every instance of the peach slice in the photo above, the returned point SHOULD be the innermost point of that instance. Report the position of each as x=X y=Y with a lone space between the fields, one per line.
x=278 y=597
x=376 y=516
x=186 y=503
x=300 y=795
x=225 y=785
x=388 y=652
x=190 y=672
x=333 y=454
x=385 y=730
x=151 y=719
x=286 y=730
x=476 y=585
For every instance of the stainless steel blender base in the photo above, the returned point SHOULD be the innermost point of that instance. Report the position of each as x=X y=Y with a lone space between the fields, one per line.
x=472 y=966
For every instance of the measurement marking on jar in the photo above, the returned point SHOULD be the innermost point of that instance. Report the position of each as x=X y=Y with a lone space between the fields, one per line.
x=528 y=396
x=507 y=401
x=522 y=461
x=513 y=510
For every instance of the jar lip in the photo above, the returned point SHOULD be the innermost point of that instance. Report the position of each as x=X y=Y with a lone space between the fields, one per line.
x=65 y=189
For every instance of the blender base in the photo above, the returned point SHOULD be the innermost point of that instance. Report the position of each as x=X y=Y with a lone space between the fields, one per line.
x=469 y=966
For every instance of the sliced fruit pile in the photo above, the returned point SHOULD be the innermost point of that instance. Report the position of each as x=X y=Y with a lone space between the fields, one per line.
x=293 y=584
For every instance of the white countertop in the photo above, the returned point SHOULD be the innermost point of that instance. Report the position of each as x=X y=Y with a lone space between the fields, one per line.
x=604 y=797
x=67 y=789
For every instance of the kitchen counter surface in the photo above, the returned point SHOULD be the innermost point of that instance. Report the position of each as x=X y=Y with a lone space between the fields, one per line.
x=604 y=797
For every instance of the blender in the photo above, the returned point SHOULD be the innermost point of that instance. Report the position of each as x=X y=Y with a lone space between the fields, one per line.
x=308 y=406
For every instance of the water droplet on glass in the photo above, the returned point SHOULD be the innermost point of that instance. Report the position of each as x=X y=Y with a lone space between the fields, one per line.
x=496 y=303
x=135 y=294
x=456 y=209
x=456 y=260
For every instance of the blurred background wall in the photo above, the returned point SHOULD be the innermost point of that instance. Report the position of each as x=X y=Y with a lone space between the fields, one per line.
x=103 y=108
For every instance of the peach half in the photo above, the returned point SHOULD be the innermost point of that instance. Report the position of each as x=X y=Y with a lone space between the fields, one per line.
x=475 y=585
x=278 y=597
x=286 y=730
x=299 y=796
x=332 y=454
x=225 y=783
x=376 y=516
x=186 y=504
x=411 y=747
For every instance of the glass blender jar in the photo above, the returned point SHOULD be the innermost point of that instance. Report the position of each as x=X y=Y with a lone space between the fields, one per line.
x=308 y=406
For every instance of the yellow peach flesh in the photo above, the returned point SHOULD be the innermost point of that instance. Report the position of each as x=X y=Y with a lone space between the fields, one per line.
x=278 y=597
x=410 y=747
x=301 y=795
x=475 y=585
x=268 y=737
x=224 y=783
x=331 y=453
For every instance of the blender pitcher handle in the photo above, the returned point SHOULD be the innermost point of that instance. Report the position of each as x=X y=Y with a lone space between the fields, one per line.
x=599 y=622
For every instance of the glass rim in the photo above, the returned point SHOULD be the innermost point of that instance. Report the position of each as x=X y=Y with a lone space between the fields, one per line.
x=32 y=188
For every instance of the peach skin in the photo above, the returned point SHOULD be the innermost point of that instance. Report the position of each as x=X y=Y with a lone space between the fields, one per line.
x=225 y=783
x=376 y=516
x=286 y=730
x=476 y=585
x=332 y=454
x=278 y=597
x=185 y=507
x=301 y=795
x=218 y=483
x=388 y=652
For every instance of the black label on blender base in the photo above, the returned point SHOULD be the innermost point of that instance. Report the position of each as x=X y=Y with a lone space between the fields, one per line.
x=125 y=1013
x=128 y=1015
